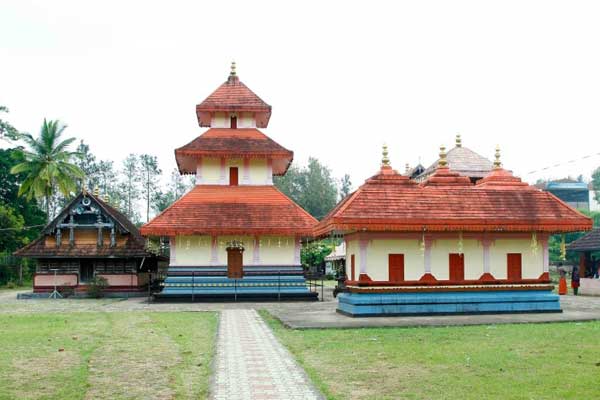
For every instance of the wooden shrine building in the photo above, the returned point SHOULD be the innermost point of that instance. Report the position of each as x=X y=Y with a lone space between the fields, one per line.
x=90 y=238
x=234 y=234
x=448 y=245
x=588 y=247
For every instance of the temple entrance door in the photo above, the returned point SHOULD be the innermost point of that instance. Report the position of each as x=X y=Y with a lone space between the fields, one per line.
x=235 y=264
x=513 y=267
x=457 y=267
x=86 y=270
x=396 y=267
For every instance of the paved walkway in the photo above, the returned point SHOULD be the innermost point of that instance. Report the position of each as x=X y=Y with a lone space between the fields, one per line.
x=251 y=363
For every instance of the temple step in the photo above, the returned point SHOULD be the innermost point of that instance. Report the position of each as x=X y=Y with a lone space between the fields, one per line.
x=375 y=304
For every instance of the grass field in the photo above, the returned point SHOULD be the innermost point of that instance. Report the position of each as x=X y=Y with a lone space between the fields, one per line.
x=534 y=361
x=96 y=355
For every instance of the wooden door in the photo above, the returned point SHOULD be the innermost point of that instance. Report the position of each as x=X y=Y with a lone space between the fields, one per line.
x=233 y=176
x=352 y=268
x=86 y=270
x=457 y=267
x=235 y=263
x=513 y=266
x=396 y=267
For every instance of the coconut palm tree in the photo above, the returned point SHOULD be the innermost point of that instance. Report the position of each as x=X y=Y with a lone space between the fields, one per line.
x=48 y=164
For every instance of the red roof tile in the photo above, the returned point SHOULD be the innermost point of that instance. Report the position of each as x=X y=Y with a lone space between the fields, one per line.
x=235 y=210
x=233 y=95
x=387 y=203
x=225 y=142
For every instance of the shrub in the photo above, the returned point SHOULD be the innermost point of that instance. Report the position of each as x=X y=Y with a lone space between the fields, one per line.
x=97 y=286
x=11 y=285
x=66 y=291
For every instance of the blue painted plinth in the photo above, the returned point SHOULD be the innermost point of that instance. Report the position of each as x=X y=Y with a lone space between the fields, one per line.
x=432 y=303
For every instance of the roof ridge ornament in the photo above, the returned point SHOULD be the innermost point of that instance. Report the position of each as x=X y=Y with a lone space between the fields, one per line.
x=385 y=161
x=458 y=140
x=233 y=72
x=497 y=162
x=442 y=163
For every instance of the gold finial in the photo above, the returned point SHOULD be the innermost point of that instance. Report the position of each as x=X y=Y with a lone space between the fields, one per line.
x=407 y=168
x=442 y=163
x=96 y=191
x=497 y=163
x=233 y=73
x=83 y=187
x=458 y=140
x=385 y=161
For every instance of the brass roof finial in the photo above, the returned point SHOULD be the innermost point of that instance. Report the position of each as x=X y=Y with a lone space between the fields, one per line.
x=96 y=191
x=407 y=168
x=385 y=161
x=458 y=140
x=233 y=73
x=442 y=163
x=83 y=187
x=497 y=162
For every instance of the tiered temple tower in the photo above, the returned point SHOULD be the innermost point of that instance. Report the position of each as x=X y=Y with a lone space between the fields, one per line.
x=234 y=233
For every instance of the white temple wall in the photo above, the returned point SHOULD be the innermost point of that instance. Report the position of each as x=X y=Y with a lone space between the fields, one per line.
x=201 y=250
x=375 y=252
x=250 y=172
x=532 y=263
x=223 y=120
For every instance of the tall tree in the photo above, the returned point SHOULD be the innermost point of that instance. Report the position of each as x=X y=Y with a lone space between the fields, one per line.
x=312 y=187
x=345 y=186
x=596 y=183
x=177 y=187
x=149 y=176
x=86 y=161
x=129 y=187
x=48 y=165
x=7 y=131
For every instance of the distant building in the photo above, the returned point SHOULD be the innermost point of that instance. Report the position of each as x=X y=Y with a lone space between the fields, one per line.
x=463 y=161
x=573 y=192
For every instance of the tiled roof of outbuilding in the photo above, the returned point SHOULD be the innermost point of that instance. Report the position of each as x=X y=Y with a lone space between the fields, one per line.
x=589 y=242
x=234 y=210
x=502 y=203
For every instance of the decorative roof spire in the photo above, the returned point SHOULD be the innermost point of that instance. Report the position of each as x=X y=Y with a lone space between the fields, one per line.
x=83 y=187
x=385 y=161
x=442 y=163
x=497 y=163
x=458 y=140
x=233 y=73
x=233 y=78
x=406 y=168
x=96 y=191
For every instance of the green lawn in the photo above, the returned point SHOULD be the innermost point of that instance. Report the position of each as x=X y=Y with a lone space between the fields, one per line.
x=534 y=361
x=95 y=355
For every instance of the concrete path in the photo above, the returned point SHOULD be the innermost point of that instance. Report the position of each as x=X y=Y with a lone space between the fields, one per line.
x=251 y=363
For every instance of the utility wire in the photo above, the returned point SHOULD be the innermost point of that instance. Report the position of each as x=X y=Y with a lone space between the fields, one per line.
x=563 y=164
x=22 y=229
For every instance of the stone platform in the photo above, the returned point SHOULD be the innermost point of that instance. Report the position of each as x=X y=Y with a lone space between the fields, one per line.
x=448 y=303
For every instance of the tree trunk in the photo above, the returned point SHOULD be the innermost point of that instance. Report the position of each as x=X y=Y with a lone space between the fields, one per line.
x=48 y=218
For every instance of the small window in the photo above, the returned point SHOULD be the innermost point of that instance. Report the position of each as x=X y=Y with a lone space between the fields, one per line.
x=233 y=122
x=233 y=176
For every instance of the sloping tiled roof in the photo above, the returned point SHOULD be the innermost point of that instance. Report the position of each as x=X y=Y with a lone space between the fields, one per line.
x=225 y=142
x=464 y=161
x=135 y=245
x=589 y=242
x=235 y=210
x=233 y=95
x=392 y=202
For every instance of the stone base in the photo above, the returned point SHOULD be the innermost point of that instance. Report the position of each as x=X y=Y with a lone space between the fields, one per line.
x=445 y=303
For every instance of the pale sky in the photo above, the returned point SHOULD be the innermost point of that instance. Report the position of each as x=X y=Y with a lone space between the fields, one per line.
x=342 y=77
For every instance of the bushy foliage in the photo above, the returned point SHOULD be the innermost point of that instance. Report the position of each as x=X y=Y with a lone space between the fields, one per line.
x=97 y=286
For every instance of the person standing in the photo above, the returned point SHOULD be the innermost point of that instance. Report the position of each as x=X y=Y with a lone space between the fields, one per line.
x=575 y=279
x=562 y=281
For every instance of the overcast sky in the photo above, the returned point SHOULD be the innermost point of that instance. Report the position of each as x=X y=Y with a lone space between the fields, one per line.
x=342 y=77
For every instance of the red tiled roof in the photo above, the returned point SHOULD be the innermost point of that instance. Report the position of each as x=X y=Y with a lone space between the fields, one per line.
x=233 y=95
x=500 y=203
x=235 y=210
x=225 y=142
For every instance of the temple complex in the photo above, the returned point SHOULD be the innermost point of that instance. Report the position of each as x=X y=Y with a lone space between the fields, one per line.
x=448 y=245
x=234 y=235
x=90 y=238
